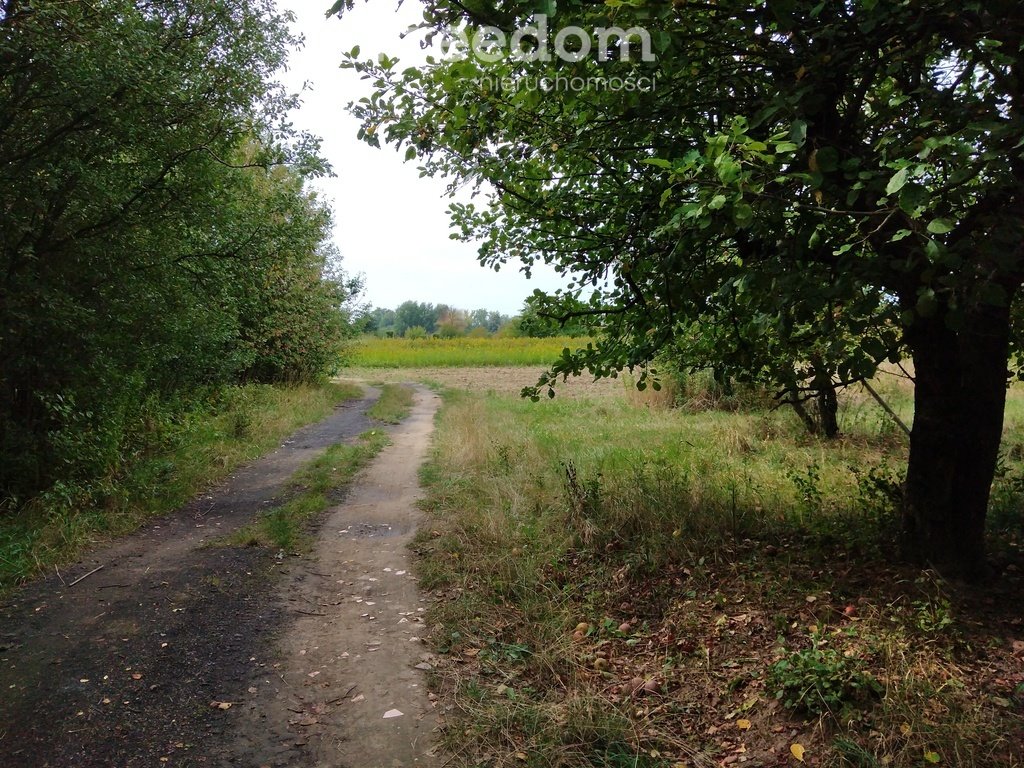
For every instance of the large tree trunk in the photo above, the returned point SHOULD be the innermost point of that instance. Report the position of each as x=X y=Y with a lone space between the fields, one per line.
x=959 y=399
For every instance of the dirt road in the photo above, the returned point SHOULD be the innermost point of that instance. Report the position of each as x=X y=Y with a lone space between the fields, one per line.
x=178 y=653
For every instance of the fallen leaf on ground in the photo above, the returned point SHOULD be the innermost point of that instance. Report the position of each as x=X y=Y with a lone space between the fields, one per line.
x=393 y=713
x=797 y=750
x=743 y=725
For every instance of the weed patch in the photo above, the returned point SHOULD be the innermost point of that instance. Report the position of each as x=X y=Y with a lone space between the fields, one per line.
x=822 y=680
x=394 y=403
x=315 y=487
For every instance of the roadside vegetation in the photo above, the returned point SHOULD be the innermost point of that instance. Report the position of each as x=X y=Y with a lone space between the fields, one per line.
x=620 y=583
x=162 y=261
x=174 y=459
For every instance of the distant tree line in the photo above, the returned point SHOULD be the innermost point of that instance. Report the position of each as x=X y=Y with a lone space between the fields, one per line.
x=414 y=319
x=156 y=240
x=431 y=319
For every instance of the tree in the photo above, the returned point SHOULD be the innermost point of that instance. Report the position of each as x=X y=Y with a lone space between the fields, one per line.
x=451 y=323
x=543 y=316
x=414 y=314
x=856 y=163
x=378 y=320
x=155 y=241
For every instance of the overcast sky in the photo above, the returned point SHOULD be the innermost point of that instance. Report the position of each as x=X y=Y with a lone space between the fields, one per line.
x=391 y=225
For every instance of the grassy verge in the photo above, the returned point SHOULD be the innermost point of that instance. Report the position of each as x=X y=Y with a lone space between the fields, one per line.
x=178 y=459
x=622 y=585
x=394 y=403
x=372 y=352
x=314 y=487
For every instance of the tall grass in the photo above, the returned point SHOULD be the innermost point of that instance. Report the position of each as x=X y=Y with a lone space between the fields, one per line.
x=373 y=352
x=587 y=547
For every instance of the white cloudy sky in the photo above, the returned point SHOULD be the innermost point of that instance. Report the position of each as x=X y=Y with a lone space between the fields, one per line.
x=391 y=225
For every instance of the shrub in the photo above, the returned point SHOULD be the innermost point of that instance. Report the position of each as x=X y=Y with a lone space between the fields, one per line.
x=820 y=680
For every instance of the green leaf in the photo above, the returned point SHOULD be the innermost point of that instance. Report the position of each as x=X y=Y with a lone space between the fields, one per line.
x=873 y=347
x=912 y=197
x=897 y=181
x=940 y=226
x=658 y=162
x=798 y=132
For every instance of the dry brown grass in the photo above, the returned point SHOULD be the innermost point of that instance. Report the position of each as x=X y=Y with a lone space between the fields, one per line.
x=693 y=559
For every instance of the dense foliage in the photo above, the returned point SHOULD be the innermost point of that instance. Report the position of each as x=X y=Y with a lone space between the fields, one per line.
x=807 y=190
x=156 y=241
x=424 y=318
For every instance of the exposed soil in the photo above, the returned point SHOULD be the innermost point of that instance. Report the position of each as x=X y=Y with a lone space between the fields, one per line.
x=506 y=380
x=179 y=653
x=346 y=690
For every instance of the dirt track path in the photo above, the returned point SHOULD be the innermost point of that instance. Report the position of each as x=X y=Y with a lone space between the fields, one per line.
x=121 y=669
x=347 y=692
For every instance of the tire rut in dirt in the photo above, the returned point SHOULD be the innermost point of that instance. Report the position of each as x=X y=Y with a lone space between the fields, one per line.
x=122 y=669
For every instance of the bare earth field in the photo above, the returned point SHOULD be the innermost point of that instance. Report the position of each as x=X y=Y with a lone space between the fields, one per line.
x=502 y=380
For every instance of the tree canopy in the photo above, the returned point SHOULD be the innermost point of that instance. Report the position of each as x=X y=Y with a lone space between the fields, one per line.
x=156 y=239
x=815 y=187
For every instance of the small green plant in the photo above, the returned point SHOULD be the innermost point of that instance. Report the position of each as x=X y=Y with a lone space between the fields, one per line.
x=932 y=614
x=879 y=492
x=808 y=487
x=820 y=680
x=507 y=652
x=932 y=617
